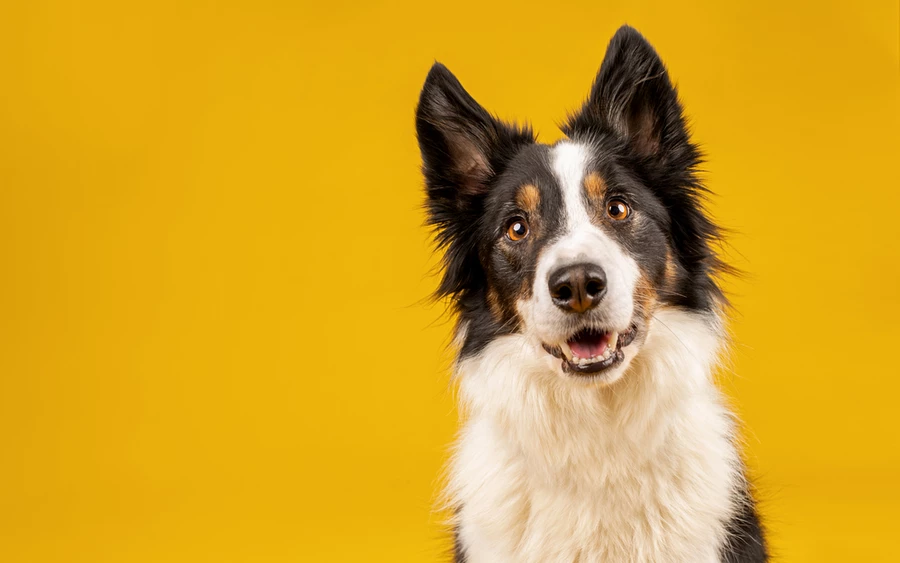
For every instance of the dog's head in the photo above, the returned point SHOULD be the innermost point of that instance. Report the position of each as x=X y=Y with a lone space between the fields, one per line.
x=573 y=245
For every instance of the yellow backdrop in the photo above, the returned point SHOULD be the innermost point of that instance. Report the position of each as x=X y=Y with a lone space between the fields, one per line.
x=216 y=343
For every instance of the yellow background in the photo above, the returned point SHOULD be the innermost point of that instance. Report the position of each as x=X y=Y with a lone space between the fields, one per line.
x=215 y=340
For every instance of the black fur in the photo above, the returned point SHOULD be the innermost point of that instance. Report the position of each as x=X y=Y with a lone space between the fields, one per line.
x=459 y=556
x=745 y=542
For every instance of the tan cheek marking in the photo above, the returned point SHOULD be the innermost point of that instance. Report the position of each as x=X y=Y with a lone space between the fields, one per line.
x=671 y=273
x=501 y=312
x=528 y=199
x=645 y=296
x=595 y=187
x=494 y=305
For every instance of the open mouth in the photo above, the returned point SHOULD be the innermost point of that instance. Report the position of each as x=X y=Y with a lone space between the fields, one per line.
x=590 y=351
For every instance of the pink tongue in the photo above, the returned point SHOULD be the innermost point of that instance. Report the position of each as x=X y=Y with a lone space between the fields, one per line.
x=589 y=346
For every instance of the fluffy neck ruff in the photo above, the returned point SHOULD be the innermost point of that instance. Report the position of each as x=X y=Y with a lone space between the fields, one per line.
x=553 y=470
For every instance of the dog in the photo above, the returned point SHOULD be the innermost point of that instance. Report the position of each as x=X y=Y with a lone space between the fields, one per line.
x=583 y=275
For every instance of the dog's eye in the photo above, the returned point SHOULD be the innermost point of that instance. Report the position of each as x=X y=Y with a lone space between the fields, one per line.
x=517 y=229
x=617 y=209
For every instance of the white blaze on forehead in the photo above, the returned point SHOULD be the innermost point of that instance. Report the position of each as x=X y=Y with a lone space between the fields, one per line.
x=570 y=162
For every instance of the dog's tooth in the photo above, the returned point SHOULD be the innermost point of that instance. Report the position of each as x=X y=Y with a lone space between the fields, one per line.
x=567 y=352
x=613 y=340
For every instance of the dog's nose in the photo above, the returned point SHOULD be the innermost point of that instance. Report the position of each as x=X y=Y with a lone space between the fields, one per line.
x=577 y=288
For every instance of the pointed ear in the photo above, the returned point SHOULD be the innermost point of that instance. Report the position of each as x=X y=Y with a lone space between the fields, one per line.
x=633 y=98
x=462 y=145
x=463 y=149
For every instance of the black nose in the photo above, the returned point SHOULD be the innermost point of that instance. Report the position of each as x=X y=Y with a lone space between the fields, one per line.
x=577 y=288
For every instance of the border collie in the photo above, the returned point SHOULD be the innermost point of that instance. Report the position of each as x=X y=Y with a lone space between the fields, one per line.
x=583 y=275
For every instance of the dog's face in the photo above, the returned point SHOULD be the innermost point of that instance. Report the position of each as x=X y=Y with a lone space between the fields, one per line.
x=574 y=245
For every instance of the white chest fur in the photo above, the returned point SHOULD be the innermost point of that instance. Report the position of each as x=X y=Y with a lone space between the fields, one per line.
x=549 y=470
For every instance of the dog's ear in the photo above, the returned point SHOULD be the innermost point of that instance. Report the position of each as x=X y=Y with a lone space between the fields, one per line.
x=633 y=98
x=462 y=145
x=463 y=149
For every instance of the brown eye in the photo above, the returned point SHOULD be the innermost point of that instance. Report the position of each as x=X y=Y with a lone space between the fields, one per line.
x=617 y=209
x=517 y=230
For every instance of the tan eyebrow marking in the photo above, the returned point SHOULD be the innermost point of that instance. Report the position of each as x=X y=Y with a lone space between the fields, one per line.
x=528 y=198
x=595 y=186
